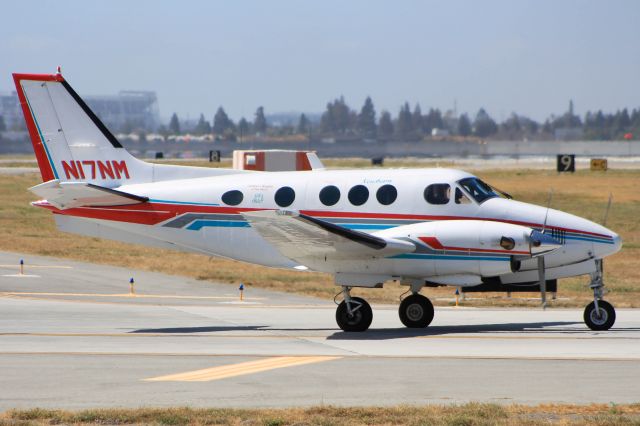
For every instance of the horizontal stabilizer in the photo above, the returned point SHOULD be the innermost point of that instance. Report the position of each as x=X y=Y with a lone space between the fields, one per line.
x=298 y=236
x=67 y=195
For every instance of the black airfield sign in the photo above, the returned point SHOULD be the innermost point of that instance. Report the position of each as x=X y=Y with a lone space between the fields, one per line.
x=566 y=163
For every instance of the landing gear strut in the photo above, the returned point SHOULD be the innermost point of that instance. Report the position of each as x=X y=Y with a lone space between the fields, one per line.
x=416 y=311
x=353 y=313
x=599 y=314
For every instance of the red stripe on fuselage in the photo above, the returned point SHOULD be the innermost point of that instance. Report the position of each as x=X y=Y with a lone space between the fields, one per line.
x=434 y=243
x=170 y=210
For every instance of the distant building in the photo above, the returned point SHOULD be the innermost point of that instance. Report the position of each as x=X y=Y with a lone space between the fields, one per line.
x=125 y=111
x=10 y=111
x=439 y=132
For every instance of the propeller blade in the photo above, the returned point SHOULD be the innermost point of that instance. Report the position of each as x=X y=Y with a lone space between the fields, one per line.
x=543 y=282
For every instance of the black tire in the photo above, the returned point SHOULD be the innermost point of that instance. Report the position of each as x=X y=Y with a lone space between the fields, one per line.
x=361 y=318
x=416 y=311
x=603 y=322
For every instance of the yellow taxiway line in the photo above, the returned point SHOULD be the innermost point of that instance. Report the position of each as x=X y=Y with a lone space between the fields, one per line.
x=243 y=368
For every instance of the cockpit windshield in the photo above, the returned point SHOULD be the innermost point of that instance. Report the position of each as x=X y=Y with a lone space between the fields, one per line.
x=479 y=190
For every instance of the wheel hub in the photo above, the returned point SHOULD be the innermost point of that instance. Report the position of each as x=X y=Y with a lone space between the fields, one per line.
x=415 y=312
x=599 y=316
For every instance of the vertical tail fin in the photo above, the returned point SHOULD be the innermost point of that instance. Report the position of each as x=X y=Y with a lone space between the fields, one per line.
x=69 y=140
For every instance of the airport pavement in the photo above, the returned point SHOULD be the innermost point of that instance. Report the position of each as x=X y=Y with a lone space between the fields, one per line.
x=71 y=336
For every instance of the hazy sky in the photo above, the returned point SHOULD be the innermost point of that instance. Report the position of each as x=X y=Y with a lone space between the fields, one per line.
x=525 y=56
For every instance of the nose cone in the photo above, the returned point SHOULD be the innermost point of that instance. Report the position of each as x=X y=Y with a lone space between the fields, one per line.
x=615 y=247
x=583 y=237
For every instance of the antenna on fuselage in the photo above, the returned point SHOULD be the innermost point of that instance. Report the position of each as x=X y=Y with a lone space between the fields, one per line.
x=606 y=211
x=546 y=215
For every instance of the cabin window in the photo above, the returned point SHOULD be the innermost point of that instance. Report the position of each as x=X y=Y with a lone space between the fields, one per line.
x=358 y=195
x=461 y=198
x=478 y=190
x=284 y=196
x=232 y=198
x=437 y=193
x=387 y=194
x=330 y=195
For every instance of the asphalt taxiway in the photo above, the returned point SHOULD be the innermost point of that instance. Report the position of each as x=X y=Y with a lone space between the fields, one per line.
x=71 y=336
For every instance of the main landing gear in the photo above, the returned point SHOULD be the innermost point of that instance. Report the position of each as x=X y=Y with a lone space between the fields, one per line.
x=599 y=314
x=416 y=311
x=354 y=313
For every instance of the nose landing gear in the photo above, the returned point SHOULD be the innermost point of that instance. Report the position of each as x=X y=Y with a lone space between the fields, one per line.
x=599 y=315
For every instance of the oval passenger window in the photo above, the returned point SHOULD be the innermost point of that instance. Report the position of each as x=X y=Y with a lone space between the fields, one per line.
x=387 y=194
x=329 y=195
x=437 y=193
x=232 y=198
x=284 y=196
x=358 y=195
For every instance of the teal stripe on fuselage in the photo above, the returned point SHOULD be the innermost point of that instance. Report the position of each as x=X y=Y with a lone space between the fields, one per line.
x=182 y=203
x=365 y=226
x=593 y=240
x=199 y=224
x=448 y=257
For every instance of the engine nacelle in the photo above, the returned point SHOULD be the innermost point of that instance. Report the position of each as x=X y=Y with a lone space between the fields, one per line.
x=483 y=248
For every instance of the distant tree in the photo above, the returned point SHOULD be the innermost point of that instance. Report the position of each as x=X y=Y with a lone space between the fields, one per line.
x=221 y=122
x=163 y=131
x=337 y=118
x=512 y=124
x=385 y=125
x=404 y=125
x=622 y=120
x=3 y=125
x=367 y=119
x=243 y=127
x=174 y=124
x=433 y=120
x=260 y=122
x=484 y=125
x=416 y=119
x=203 y=127
x=464 y=125
x=303 y=125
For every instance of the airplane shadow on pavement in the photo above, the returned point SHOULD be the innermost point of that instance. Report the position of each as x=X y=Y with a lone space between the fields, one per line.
x=560 y=327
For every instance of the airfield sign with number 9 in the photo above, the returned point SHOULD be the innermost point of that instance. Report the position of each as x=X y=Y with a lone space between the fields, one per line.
x=566 y=163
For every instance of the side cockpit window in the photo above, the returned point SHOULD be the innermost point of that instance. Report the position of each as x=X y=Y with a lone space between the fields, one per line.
x=437 y=193
x=477 y=189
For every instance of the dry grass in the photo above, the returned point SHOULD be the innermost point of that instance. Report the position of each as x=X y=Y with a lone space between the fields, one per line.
x=31 y=230
x=466 y=414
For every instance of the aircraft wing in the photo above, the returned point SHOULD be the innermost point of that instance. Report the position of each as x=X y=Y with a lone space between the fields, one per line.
x=298 y=236
x=67 y=195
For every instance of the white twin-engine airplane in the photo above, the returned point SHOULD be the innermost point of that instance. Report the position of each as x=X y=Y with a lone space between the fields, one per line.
x=423 y=227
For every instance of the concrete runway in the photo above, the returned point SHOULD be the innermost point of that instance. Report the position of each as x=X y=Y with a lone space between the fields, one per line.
x=72 y=337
